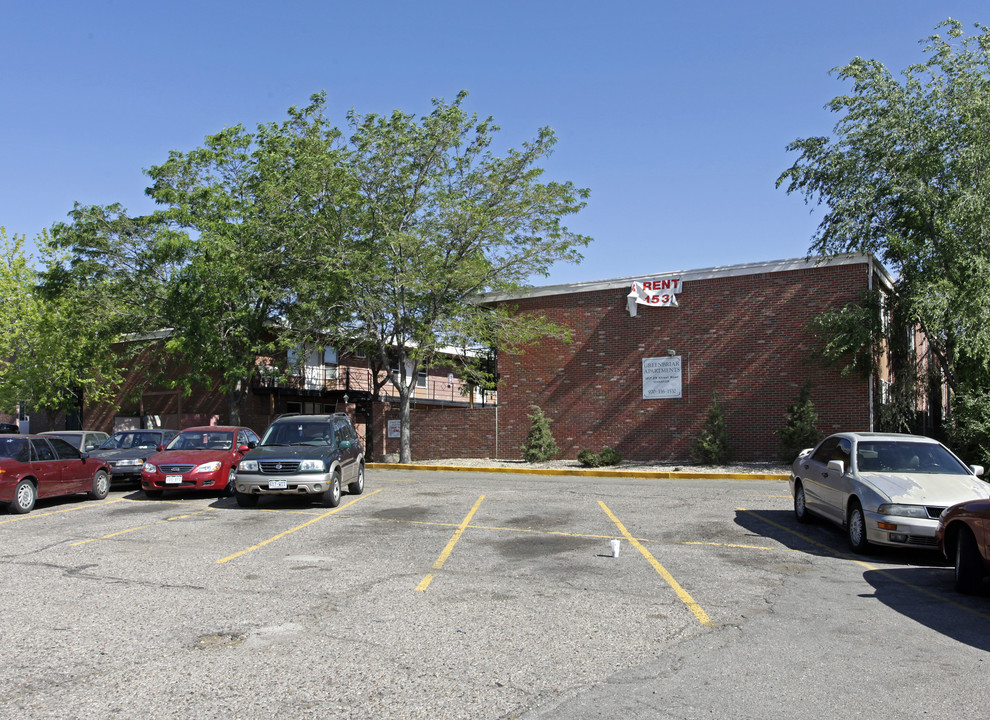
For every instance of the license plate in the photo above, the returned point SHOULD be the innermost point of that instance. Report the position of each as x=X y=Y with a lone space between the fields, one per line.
x=277 y=485
x=173 y=479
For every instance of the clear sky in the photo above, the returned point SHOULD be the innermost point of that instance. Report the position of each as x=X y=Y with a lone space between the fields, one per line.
x=674 y=114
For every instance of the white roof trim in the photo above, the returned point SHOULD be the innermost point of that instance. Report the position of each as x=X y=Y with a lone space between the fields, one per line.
x=689 y=275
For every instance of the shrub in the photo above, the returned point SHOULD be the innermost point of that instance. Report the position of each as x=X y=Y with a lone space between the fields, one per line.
x=712 y=447
x=540 y=445
x=800 y=430
x=607 y=456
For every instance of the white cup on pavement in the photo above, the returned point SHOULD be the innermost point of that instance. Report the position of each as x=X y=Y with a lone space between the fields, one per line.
x=615 y=548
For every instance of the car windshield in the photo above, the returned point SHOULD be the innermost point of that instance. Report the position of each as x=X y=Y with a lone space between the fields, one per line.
x=910 y=457
x=202 y=440
x=14 y=447
x=132 y=439
x=299 y=433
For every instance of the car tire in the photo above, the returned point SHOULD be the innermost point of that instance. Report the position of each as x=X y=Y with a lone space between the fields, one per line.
x=101 y=485
x=800 y=504
x=969 y=565
x=25 y=495
x=246 y=499
x=154 y=494
x=331 y=496
x=231 y=480
x=856 y=528
x=357 y=487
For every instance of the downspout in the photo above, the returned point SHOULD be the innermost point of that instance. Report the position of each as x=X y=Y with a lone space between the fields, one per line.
x=871 y=380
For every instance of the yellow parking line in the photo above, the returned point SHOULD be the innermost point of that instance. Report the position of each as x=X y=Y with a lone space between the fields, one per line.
x=736 y=545
x=29 y=516
x=298 y=527
x=868 y=566
x=438 y=565
x=142 y=527
x=681 y=592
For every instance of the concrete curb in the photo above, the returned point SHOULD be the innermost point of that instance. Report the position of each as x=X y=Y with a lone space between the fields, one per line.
x=660 y=475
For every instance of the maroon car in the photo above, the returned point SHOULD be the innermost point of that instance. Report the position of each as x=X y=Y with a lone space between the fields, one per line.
x=34 y=466
x=963 y=534
x=198 y=458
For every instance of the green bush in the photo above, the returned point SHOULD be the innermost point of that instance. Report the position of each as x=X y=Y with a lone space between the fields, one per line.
x=800 y=430
x=607 y=456
x=712 y=446
x=540 y=445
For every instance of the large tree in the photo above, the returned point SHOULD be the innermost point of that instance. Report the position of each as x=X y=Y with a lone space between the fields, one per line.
x=53 y=348
x=436 y=218
x=905 y=178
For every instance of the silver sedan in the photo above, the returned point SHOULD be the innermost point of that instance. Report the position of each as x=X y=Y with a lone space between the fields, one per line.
x=883 y=488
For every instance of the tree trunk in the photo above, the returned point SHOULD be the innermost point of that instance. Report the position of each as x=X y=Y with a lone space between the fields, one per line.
x=405 y=442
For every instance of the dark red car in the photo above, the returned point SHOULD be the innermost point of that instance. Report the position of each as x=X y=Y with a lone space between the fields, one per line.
x=198 y=458
x=963 y=534
x=34 y=466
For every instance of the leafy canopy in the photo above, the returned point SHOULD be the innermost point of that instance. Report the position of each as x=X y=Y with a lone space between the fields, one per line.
x=905 y=178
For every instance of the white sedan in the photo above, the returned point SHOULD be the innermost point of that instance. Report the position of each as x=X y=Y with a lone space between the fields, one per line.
x=883 y=488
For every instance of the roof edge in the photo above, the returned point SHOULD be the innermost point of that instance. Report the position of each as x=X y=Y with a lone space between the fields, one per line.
x=717 y=271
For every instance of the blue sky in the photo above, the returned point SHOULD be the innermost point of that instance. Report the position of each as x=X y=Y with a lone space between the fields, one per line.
x=676 y=115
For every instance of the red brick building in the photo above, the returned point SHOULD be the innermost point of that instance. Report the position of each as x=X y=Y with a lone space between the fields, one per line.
x=642 y=383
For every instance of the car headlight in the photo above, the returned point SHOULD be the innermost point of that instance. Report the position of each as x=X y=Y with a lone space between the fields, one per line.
x=209 y=467
x=247 y=466
x=149 y=467
x=133 y=461
x=915 y=511
x=312 y=466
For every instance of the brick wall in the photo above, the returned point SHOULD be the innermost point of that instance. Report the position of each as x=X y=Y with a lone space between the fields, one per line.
x=742 y=335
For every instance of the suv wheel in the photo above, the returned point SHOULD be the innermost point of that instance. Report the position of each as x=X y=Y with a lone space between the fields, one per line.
x=357 y=487
x=331 y=497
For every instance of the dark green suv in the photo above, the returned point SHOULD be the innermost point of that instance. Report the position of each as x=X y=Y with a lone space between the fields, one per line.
x=303 y=455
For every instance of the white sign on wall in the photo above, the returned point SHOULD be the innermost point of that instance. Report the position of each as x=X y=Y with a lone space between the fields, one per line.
x=658 y=293
x=394 y=428
x=662 y=377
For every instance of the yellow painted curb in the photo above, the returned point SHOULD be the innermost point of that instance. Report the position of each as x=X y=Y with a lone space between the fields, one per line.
x=592 y=472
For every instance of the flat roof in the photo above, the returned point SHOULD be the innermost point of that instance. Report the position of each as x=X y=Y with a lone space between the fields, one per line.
x=719 y=271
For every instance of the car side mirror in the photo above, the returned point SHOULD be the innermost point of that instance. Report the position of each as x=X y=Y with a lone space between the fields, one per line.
x=84 y=455
x=837 y=466
x=344 y=444
x=977 y=470
x=159 y=448
x=243 y=448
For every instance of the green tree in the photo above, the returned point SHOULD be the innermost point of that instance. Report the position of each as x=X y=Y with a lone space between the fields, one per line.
x=435 y=219
x=905 y=178
x=53 y=351
x=712 y=445
x=540 y=445
x=800 y=430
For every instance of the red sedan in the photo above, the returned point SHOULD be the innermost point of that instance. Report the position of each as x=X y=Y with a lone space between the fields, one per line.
x=198 y=458
x=34 y=466
x=963 y=534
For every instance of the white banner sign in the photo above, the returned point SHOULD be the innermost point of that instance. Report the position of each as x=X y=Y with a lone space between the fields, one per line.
x=661 y=377
x=658 y=293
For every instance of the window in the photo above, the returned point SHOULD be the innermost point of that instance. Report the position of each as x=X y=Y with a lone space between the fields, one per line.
x=42 y=450
x=64 y=450
x=421 y=378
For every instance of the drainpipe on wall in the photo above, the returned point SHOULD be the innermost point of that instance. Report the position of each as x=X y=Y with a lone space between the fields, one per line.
x=871 y=379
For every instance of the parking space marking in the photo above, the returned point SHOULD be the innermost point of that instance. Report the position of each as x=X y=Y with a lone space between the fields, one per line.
x=438 y=565
x=32 y=515
x=737 y=545
x=846 y=556
x=141 y=527
x=298 y=527
x=683 y=594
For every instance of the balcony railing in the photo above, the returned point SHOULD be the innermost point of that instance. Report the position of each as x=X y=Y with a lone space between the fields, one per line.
x=359 y=380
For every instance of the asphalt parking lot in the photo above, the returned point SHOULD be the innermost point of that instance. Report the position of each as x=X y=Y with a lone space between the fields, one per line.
x=477 y=595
